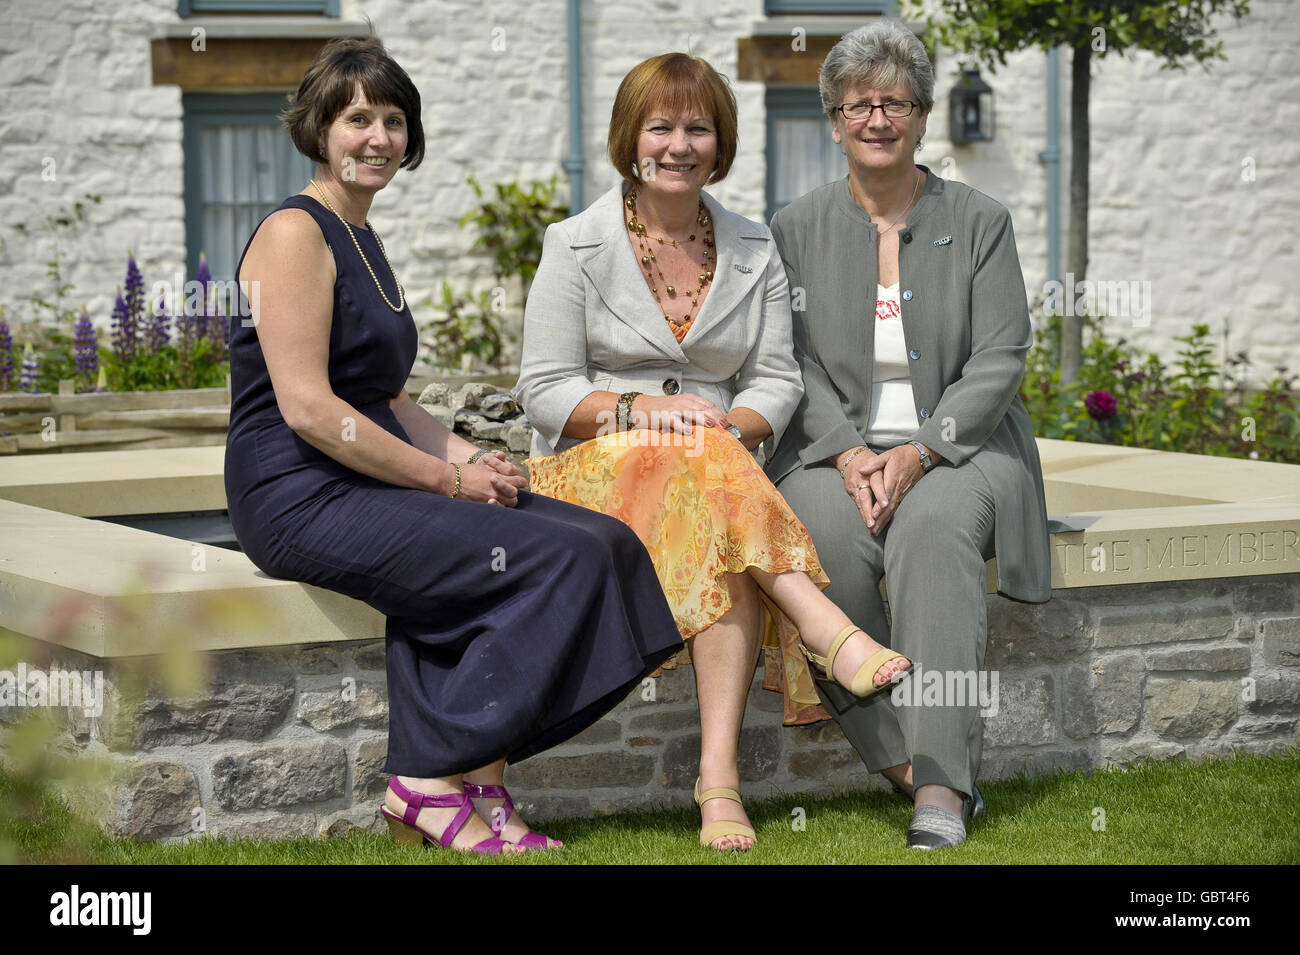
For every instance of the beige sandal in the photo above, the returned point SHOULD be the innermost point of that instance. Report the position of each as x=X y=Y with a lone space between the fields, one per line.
x=713 y=831
x=864 y=685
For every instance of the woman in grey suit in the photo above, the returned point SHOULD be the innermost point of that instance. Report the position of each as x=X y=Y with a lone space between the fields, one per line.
x=657 y=356
x=910 y=455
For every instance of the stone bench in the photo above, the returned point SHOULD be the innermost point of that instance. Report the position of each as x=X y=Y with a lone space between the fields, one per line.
x=236 y=704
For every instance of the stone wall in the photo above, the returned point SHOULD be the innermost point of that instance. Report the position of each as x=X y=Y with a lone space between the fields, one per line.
x=276 y=743
x=482 y=413
x=1171 y=202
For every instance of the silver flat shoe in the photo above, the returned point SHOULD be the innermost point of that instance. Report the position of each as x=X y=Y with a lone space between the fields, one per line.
x=973 y=811
x=935 y=828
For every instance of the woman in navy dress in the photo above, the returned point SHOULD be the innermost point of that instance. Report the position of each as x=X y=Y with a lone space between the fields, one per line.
x=514 y=621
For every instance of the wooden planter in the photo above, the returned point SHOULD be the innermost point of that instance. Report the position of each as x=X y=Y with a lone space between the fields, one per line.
x=114 y=421
x=125 y=420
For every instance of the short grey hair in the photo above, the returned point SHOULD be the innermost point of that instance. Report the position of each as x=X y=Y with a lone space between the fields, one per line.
x=885 y=53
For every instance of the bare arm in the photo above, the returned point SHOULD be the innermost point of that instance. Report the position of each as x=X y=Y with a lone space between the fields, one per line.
x=428 y=433
x=294 y=274
x=595 y=414
x=754 y=429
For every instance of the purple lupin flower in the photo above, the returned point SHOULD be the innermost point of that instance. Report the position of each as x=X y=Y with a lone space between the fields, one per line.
x=159 y=327
x=185 y=347
x=31 y=372
x=123 y=337
x=134 y=294
x=1100 y=404
x=216 y=330
x=200 y=315
x=6 y=357
x=85 y=343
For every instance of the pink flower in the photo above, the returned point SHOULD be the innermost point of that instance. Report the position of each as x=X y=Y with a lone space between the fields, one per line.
x=1100 y=404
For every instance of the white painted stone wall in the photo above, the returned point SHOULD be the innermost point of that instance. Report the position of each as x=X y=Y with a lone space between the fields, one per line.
x=78 y=105
x=1169 y=202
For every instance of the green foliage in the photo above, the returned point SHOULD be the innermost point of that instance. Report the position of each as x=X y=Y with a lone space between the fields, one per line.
x=51 y=318
x=987 y=30
x=511 y=227
x=49 y=314
x=164 y=370
x=1196 y=406
x=57 y=360
x=469 y=326
x=512 y=224
x=60 y=227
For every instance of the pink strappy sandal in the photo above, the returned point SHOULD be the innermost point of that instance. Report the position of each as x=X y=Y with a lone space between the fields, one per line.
x=407 y=833
x=533 y=840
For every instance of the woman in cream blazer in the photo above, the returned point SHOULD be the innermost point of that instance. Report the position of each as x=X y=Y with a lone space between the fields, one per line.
x=739 y=351
x=655 y=426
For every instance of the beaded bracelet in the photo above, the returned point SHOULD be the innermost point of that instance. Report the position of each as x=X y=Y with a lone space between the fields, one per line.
x=623 y=410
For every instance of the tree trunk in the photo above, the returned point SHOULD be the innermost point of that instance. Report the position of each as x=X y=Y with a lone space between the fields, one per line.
x=1076 y=264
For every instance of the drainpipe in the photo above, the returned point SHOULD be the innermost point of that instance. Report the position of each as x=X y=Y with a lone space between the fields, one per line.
x=1051 y=158
x=574 y=163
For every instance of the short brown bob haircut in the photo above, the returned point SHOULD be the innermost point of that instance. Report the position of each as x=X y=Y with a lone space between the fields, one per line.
x=330 y=84
x=672 y=83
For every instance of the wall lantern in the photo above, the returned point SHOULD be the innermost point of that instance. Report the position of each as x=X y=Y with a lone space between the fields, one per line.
x=970 y=110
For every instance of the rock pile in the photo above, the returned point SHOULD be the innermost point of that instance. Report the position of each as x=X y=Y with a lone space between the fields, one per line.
x=485 y=414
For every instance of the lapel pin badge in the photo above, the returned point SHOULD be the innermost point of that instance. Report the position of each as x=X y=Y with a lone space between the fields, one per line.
x=744 y=268
x=944 y=241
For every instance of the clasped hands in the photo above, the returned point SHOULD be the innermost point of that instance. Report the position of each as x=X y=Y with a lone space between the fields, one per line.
x=492 y=479
x=879 y=482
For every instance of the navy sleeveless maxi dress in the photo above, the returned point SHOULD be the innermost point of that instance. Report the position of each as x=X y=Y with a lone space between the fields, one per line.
x=508 y=630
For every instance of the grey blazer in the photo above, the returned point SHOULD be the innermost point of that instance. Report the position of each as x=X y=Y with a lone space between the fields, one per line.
x=966 y=325
x=592 y=324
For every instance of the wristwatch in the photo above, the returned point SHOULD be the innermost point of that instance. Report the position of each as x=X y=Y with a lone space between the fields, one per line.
x=735 y=432
x=926 y=461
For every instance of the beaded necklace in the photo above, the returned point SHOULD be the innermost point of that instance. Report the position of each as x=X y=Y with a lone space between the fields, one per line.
x=681 y=326
x=401 y=295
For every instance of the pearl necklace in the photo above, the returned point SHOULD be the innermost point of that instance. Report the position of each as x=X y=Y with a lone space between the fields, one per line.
x=637 y=227
x=401 y=295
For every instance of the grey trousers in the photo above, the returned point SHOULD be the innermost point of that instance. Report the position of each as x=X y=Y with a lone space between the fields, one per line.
x=932 y=556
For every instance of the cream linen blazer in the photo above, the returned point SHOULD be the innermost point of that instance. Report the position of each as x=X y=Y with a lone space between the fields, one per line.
x=592 y=324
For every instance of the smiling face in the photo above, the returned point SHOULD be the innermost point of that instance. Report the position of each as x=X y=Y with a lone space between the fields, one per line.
x=676 y=154
x=365 y=143
x=879 y=143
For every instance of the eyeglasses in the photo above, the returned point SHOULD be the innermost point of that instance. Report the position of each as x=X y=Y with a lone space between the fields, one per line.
x=894 y=109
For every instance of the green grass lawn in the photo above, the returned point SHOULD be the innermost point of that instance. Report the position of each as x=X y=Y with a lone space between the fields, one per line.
x=1239 y=811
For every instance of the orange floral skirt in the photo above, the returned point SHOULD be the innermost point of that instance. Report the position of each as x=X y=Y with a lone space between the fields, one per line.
x=704 y=509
